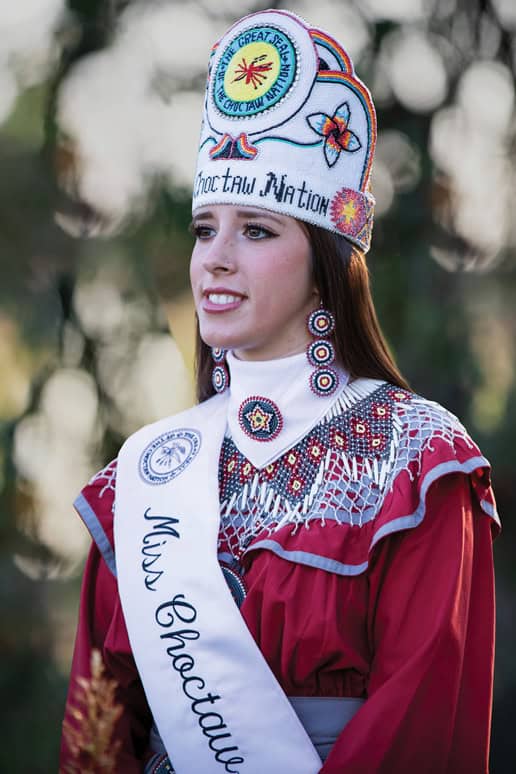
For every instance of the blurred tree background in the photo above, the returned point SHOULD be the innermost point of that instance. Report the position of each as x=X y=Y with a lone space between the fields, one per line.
x=99 y=112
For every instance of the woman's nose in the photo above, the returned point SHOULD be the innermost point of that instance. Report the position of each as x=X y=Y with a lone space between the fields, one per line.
x=220 y=257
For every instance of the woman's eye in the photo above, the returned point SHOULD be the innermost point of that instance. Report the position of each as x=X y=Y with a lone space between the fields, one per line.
x=202 y=232
x=255 y=231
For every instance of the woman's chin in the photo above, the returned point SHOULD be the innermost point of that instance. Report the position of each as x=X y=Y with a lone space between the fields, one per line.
x=223 y=342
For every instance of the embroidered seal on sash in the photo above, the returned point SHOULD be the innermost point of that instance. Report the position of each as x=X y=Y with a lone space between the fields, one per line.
x=168 y=455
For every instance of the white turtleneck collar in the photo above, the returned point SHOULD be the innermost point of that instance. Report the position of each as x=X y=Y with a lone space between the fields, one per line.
x=284 y=381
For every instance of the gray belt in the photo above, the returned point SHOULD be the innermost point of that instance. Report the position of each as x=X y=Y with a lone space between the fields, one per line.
x=323 y=719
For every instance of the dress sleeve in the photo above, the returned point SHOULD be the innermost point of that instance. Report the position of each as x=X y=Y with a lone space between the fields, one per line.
x=431 y=628
x=101 y=626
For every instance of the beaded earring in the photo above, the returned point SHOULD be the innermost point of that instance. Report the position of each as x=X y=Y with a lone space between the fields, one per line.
x=219 y=375
x=321 y=353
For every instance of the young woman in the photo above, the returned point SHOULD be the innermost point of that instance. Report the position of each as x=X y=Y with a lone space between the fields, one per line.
x=296 y=574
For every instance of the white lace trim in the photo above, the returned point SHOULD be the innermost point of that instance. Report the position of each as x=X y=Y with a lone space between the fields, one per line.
x=348 y=487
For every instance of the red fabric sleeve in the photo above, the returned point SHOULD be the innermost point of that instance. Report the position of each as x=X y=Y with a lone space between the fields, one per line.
x=431 y=631
x=101 y=626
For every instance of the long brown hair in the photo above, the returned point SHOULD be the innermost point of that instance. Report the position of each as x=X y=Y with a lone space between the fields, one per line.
x=342 y=279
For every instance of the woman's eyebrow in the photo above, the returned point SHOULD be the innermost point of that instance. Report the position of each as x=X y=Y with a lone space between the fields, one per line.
x=207 y=215
x=243 y=214
x=258 y=214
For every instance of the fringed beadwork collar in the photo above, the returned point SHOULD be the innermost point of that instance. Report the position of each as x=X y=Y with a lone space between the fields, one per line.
x=271 y=405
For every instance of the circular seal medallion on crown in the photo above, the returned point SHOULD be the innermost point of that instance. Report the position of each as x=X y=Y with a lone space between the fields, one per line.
x=255 y=71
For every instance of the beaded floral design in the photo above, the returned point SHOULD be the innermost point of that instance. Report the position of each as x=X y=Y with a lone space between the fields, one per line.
x=337 y=135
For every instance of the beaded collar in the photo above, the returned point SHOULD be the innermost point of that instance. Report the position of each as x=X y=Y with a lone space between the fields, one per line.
x=279 y=388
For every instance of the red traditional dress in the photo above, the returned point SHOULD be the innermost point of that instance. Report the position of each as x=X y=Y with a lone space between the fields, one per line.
x=362 y=562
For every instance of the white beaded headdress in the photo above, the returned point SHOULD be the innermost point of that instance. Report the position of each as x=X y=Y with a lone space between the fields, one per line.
x=287 y=126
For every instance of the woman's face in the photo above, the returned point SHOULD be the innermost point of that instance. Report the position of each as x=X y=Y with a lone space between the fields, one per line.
x=252 y=281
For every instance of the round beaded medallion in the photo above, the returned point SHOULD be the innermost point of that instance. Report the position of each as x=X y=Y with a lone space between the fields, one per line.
x=236 y=585
x=161 y=766
x=219 y=378
x=260 y=418
x=320 y=353
x=324 y=381
x=321 y=323
x=218 y=354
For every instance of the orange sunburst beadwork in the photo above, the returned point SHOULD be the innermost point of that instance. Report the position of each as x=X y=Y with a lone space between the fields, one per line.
x=352 y=213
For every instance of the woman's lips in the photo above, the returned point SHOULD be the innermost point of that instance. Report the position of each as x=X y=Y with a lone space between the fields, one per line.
x=221 y=301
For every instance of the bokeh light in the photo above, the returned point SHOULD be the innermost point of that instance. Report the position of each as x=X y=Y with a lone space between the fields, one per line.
x=29 y=46
x=470 y=143
x=54 y=452
x=129 y=113
x=345 y=20
x=15 y=382
x=506 y=10
x=397 y=10
x=416 y=70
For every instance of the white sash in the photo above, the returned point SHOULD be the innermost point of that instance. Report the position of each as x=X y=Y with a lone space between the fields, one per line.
x=217 y=705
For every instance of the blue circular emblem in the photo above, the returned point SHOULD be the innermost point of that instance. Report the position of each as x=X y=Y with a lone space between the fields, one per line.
x=168 y=455
x=255 y=72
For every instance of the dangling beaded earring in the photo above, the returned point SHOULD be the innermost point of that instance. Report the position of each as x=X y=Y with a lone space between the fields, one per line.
x=321 y=353
x=219 y=375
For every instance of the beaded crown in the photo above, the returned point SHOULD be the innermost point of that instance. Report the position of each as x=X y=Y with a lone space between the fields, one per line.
x=287 y=126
